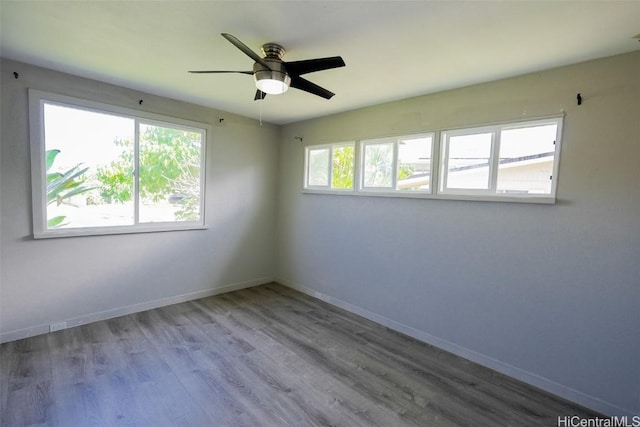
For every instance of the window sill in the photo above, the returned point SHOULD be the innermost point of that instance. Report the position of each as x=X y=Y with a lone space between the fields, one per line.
x=542 y=199
x=107 y=231
x=546 y=199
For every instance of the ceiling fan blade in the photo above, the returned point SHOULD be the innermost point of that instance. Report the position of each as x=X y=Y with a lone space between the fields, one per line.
x=298 y=68
x=307 y=86
x=221 y=72
x=259 y=95
x=246 y=49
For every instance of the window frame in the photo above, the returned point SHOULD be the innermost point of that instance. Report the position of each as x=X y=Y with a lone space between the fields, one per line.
x=443 y=161
x=437 y=169
x=490 y=193
x=329 y=187
x=393 y=189
x=38 y=99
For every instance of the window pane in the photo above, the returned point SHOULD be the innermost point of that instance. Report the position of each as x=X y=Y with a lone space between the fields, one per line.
x=343 y=158
x=378 y=165
x=318 y=167
x=468 y=166
x=169 y=162
x=414 y=164
x=89 y=166
x=526 y=160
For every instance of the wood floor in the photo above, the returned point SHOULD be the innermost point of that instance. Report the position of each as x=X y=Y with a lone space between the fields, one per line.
x=264 y=356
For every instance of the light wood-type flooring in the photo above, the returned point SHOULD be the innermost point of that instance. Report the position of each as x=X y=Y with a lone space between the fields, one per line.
x=264 y=356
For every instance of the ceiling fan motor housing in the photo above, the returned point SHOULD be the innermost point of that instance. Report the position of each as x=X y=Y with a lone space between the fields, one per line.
x=277 y=75
x=273 y=50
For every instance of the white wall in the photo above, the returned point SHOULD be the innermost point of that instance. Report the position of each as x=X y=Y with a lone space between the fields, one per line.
x=546 y=293
x=82 y=279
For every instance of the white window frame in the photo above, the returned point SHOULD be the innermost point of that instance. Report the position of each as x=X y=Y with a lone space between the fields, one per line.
x=393 y=189
x=491 y=194
x=329 y=187
x=37 y=100
x=438 y=168
x=444 y=164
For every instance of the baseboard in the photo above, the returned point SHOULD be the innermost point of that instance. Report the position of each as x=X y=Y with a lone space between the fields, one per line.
x=535 y=380
x=129 y=309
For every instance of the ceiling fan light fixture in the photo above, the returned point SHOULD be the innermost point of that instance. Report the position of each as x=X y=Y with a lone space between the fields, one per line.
x=273 y=76
x=272 y=82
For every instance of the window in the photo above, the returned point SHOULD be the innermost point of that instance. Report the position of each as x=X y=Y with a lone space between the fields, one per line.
x=515 y=160
x=378 y=163
x=397 y=164
x=330 y=167
x=468 y=161
x=101 y=169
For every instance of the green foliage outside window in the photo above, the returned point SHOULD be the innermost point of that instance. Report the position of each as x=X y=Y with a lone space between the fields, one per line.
x=61 y=186
x=405 y=171
x=378 y=165
x=169 y=170
x=116 y=179
x=343 y=167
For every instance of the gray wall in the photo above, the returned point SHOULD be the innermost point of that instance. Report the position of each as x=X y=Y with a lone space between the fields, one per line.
x=546 y=293
x=82 y=279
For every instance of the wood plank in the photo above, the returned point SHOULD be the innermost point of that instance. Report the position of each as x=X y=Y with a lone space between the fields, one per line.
x=263 y=356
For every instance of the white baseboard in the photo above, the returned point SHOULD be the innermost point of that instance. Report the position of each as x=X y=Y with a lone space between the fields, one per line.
x=535 y=380
x=129 y=309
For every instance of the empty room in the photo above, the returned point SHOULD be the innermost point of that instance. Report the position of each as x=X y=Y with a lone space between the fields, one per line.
x=320 y=213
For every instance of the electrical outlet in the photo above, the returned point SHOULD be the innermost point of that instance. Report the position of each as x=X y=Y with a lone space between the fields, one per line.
x=57 y=326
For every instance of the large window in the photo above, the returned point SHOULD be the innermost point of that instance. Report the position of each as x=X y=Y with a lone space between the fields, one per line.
x=388 y=165
x=515 y=160
x=101 y=169
x=508 y=162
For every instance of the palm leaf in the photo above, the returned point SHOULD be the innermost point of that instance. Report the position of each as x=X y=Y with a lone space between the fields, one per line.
x=52 y=176
x=64 y=182
x=51 y=156
x=56 y=221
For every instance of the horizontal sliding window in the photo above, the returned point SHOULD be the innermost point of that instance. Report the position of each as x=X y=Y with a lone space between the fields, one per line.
x=101 y=169
x=514 y=160
x=330 y=167
x=397 y=164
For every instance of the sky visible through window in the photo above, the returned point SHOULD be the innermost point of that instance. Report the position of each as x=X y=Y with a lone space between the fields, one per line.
x=91 y=159
x=84 y=136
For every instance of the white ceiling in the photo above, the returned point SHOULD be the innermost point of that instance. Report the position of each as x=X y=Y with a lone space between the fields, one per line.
x=393 y=49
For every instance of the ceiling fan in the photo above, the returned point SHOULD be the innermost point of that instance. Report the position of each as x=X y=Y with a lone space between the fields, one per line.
x=274 y=76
